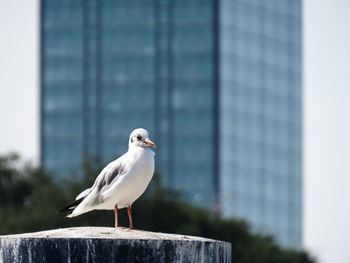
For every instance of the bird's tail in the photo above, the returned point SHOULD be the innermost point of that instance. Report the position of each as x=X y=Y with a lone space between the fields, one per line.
x=71 y=206
x=72 y=215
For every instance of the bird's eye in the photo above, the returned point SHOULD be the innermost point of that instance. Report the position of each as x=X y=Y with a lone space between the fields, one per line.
x=139 y=137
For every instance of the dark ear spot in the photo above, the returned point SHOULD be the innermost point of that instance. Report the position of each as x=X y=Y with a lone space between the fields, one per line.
x=132 y=140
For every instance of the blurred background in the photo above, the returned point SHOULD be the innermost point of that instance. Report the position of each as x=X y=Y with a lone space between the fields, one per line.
x=246 y=100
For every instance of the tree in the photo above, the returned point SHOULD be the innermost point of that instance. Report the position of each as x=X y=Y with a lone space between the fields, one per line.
x=31 y=196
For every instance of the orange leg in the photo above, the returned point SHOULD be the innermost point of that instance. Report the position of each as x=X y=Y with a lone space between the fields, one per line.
x=116 y=216
x=130 y=217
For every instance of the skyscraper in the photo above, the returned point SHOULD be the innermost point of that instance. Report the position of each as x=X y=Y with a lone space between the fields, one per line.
x=216 y=82
x=260 y=115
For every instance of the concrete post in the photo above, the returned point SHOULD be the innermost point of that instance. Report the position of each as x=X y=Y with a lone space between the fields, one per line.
x=103 y=244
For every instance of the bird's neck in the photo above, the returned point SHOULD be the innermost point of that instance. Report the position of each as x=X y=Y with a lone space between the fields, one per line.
x=139 y=149
x=133 y=148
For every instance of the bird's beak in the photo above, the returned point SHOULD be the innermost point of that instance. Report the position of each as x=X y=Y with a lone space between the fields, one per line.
x=150 y=143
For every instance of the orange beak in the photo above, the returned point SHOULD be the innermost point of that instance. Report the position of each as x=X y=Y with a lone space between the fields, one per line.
x=150 y=143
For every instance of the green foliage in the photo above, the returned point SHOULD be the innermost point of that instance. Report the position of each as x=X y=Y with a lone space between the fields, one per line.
x=30 y=198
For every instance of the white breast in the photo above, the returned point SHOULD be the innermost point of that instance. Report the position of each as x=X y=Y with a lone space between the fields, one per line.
x=132 y=185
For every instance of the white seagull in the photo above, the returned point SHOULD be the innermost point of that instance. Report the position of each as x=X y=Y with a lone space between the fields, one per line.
x=121 y=182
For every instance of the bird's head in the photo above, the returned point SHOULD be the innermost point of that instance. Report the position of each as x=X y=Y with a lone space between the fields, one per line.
x=140 y=138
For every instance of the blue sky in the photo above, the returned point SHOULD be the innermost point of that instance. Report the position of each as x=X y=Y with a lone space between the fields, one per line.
x=326 y=112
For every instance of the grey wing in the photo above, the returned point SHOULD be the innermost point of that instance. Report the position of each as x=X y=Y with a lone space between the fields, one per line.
x=109 y=174
x=83 y=193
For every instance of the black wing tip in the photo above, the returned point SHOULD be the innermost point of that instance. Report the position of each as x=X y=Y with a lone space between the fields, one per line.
x=64 y=209
x=71 y=206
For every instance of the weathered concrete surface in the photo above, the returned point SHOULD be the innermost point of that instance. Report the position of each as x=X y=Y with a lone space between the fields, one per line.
x=103 y=244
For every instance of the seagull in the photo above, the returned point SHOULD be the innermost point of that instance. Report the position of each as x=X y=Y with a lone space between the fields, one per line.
x=121 y=182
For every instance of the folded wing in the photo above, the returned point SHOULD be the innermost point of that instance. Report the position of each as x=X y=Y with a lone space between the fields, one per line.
x=92 y=196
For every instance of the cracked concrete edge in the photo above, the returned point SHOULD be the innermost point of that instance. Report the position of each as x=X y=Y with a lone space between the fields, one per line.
x=107 y=233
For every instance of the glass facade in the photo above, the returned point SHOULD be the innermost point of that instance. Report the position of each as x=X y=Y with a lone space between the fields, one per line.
x=216 y=82
x=260 y=115
x=192 y=104
x=62 y=80
x=118 y=65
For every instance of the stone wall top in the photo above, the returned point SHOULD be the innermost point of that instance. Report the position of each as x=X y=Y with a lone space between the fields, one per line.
x=107 y=233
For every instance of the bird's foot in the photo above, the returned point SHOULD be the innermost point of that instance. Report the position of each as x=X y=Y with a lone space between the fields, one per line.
x=121 y=227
